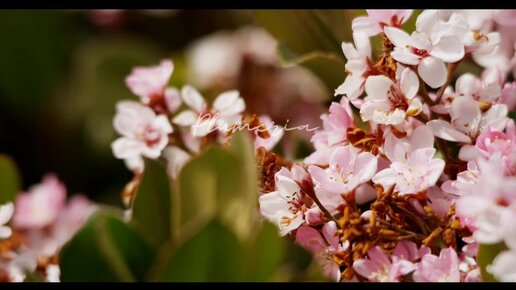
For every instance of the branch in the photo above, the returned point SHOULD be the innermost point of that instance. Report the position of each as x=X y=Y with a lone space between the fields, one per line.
x=451 y=69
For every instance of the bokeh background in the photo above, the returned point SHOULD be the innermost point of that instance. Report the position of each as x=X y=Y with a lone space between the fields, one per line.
x=63 y=71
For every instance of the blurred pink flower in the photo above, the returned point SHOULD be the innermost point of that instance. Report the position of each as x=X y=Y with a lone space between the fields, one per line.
x=275 y=132
x=226 y=111
x=6 y=213
x=150 y=82
x=41 y=205
x=378 y=267
x=442 y=268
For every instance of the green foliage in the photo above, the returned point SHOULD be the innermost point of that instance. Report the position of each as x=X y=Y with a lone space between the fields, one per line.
x=210 y=255
x=310 y=38
x=202 y=228
x=105 y=249
x=486 y=255
x=151 y=205
x=9 y=180
x=218 y=183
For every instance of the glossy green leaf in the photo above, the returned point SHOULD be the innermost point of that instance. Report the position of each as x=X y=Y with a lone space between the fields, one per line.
x=105 y=250
x=211 y=255
x=10 y=183
x=486 y=255
x=219 y=182
x=151 y=206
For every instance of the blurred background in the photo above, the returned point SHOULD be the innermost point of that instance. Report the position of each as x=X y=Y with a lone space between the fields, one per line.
x=63 y=71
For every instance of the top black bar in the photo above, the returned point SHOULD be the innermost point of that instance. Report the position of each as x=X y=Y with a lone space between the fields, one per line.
x=256 y=4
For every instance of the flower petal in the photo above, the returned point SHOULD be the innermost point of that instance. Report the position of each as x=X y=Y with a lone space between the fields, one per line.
x=193 y=99
x=397 y=36
x=432 y=71
x=409 y=83
x=445 y=130
x=448 y=49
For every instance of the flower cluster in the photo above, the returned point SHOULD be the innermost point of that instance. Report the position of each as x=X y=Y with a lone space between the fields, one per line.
x=411 y=172
x=35 y=227
x=176 y=124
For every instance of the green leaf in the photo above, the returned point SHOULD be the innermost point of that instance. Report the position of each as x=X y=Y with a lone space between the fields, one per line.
x=194 y=198
x=241 y=202
x=486 y=255
x=304 y=32
x=219 y=182
x=151 y=206
x=265 y=254
x=106 y=249
x=309 y=38
x=9 y=180
x=212 y=255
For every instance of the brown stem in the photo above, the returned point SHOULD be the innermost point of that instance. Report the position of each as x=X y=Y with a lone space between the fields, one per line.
x=451 y=69
x=423 y=93
x=400 y=230
x=420 y=222
x=323 y=209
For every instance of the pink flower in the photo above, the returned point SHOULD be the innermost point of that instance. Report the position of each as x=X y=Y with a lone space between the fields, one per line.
x=491 y=142
x=335 y=124
x=508 y=95
x=70 y=219
x=348 y=169
x=482 y=90
x=143 y=133
x=428 y=48
x=380 y=268
x=176 y=159
x=389 y=104
x=482 y=193
x=376 y=20
x=358 y=63
x=41 y=205
x=444 y=268
x=6 y=212
x=503 y=266
x=227 y=109
x=284 y=207
x=323 y=247
x=150 y=83
x=467 y=120
x=413 y=169
x=334 y=133
x=275 y=132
